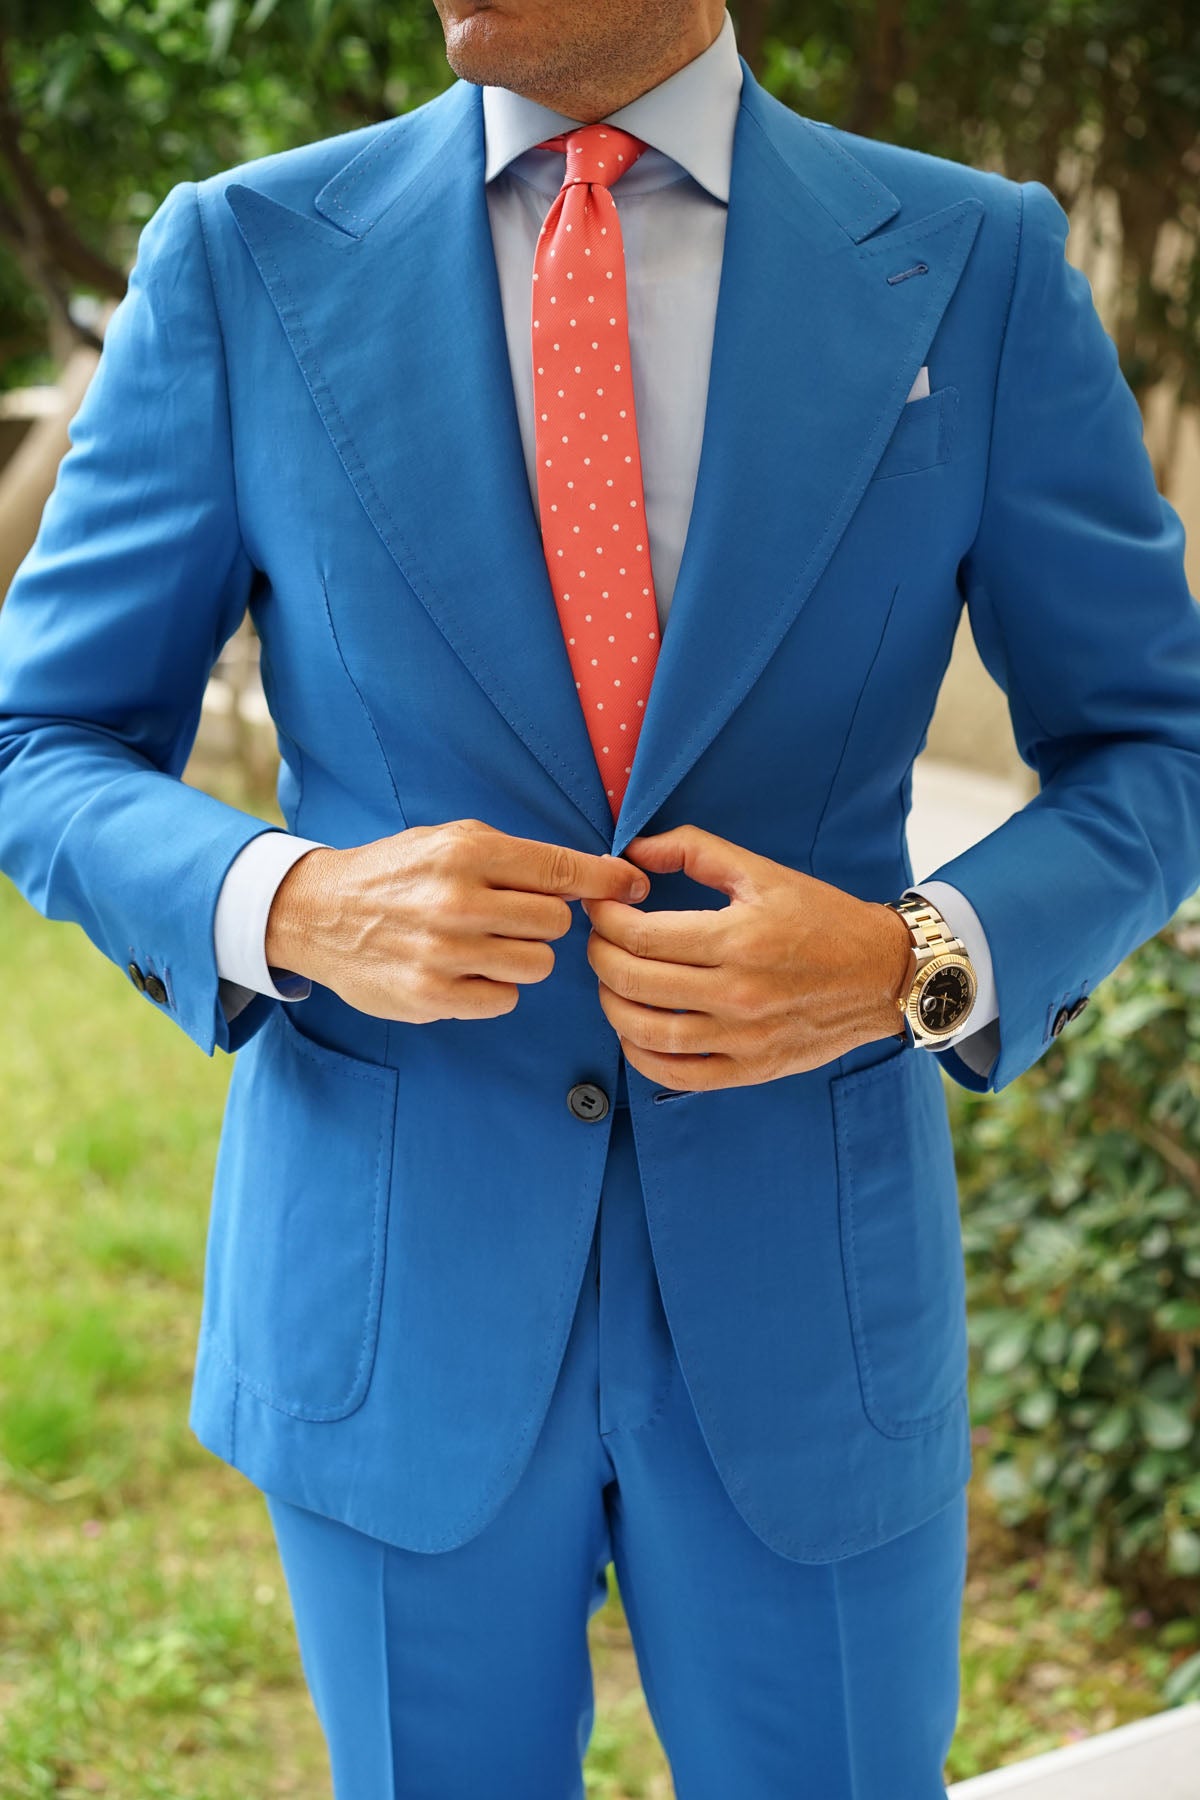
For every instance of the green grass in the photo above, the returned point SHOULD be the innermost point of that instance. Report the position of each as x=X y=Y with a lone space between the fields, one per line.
x=146 y=1643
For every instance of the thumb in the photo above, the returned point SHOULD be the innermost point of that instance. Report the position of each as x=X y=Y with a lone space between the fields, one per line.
x=711 y=860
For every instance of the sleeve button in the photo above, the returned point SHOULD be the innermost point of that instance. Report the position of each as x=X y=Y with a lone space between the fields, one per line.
x=1060 y=1019
x=155 y=989
x=137 y=978
x=1073 y=1012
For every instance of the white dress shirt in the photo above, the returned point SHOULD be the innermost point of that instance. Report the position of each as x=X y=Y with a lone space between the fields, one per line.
x=672 y=204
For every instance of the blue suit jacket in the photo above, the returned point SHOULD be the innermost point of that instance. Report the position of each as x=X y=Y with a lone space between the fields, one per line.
x=305 y=406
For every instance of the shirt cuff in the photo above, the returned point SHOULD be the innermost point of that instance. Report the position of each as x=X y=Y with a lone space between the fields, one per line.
x=240 y=923
x=978 y=1040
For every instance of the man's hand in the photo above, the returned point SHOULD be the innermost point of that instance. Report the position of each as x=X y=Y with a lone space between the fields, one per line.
x=788 y=976
x=436 y=922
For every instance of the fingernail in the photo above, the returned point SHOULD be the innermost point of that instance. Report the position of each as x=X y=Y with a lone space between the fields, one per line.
x=640 y=889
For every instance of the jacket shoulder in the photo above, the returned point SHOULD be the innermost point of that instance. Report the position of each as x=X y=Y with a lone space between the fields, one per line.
x=923 y=181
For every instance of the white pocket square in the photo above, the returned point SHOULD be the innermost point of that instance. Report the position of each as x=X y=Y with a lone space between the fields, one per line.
x=920 y=386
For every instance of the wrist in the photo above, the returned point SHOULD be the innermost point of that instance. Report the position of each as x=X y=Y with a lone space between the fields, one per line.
x=295 y=909
x=941 y=984
x=894 y=970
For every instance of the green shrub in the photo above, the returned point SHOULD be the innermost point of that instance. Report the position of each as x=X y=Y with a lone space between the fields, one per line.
x=1081 y=1226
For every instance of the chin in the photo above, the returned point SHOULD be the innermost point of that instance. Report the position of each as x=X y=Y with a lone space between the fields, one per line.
x=475 y=48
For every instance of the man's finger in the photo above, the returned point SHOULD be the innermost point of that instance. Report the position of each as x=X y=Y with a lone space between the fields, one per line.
x=528 y=864
x=696 y=937
x=673 y=986
x=711 y=860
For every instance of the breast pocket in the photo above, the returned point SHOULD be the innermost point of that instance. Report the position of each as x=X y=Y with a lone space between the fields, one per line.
x=901 y=1241
x=294 y=1268
x=923 y=437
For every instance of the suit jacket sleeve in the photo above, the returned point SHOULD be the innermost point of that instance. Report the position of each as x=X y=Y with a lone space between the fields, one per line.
x=137 y=578
x=1080 y=608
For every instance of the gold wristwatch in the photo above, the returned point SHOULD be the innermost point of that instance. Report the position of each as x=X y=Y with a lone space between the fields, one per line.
x=941 y=982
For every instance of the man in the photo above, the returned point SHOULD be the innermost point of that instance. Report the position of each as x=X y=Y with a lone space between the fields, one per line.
x=545 y=1235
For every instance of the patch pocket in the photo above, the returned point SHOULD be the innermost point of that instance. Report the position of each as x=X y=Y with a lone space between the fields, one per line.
x=294 y=1270
x=923 y=436
x=901 y=1241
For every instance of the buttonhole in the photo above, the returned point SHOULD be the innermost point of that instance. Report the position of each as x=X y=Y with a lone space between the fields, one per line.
x=917 y=269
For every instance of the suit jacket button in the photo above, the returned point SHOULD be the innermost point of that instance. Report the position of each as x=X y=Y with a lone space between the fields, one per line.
x=1073 y=1012
x=137 y=978
x=155 y=989
x=587 y=1101
x=1060 y=1019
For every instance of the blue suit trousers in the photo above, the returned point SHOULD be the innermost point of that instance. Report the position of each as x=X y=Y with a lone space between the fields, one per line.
x=465 y=1674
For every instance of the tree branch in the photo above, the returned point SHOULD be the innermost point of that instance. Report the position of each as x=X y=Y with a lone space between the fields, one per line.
x=751 y=32
x=46 y=232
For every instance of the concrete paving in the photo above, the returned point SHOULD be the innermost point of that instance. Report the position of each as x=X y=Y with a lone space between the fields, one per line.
x=952 y=808
x=1152 y=1759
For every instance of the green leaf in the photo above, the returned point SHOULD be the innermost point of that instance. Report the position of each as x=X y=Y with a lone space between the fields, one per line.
x=1183 y=1683
x=1148 y=1475
x=220 y=20
x=1112 y=1431
x=1044 y=1469
x=990 y=1395
x=1165 y=1427
x=1052 y=1341
x=1008 y=1346
x=1036 y=1410
x=1007 y=1484
x=64 y=75
x=1179 y=1315
x=1135 y=1014
x=1183 y=1551
x=1085 y=1341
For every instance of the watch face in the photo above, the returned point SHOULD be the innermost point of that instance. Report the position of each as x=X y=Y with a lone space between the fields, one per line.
x=945 y=998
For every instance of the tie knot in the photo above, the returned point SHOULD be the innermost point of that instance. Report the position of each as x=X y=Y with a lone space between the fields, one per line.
x=599 y=153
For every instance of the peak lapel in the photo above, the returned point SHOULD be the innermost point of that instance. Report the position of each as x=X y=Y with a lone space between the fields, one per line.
x=391 y=302
x=814 y=354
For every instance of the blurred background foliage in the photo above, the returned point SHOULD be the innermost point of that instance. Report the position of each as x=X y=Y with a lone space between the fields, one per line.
x=1080 y=1189
x=104 y=104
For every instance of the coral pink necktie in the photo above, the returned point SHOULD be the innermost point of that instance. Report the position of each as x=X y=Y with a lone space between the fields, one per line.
x=589 y=471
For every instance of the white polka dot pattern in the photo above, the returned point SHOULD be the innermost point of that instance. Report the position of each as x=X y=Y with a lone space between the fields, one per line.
x=589 y=469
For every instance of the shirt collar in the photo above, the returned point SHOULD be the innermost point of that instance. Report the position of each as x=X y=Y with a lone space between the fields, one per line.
x=688 y=118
